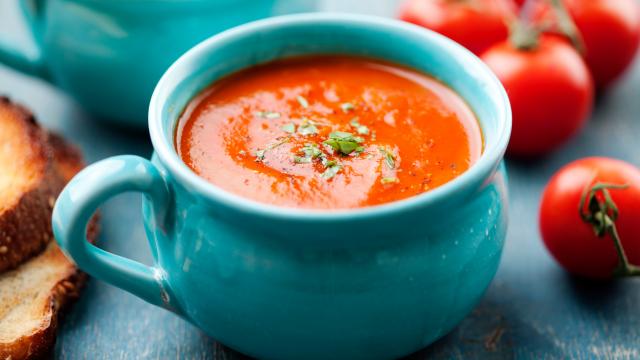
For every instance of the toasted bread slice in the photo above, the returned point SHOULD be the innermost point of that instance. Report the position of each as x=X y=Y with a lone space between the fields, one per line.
x=29 y=184
x=67 y=158
x=31 y=298
x=32 y=295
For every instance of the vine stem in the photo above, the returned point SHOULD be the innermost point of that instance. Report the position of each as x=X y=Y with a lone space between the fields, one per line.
x=624 y=268
x=526 y=12
x=601 y=214
x=524 y=34
x=525 y=31
x=567 y=26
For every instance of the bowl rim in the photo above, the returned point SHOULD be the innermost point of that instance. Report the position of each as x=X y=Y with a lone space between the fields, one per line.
x=165 y=152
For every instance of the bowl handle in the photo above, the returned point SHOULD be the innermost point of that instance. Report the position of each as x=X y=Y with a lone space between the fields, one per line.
x=78 y=202
x=27 y=61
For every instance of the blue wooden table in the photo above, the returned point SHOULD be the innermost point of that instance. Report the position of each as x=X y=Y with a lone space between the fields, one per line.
x=532 y=309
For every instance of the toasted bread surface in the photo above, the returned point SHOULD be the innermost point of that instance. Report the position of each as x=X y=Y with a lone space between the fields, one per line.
x=33 y=294
x=29 y=185
x=31 y=297
x=68 y=159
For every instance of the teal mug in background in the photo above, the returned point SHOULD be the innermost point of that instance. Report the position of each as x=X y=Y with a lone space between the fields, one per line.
x=282 y=283
x=110 y=54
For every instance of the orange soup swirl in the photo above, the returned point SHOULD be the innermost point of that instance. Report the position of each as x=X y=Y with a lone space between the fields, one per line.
x=328 y=132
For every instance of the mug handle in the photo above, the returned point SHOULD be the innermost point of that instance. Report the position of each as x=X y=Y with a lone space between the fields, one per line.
x=13 y=55
x=79 y=201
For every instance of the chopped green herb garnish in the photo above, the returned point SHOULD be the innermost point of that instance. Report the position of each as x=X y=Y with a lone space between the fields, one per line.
x=268 y=114
x=331 y=170
x=260 y=153
x=343 y=142
x=302 y=101
x=328 y=163
x=310 y=152
x=389 y=180
x=340 y=135
x=308 y=127
x=389 y=159
x=290 y=128
x=361 y=129
x=302 y=160
x=242 y=152
x=346 y=107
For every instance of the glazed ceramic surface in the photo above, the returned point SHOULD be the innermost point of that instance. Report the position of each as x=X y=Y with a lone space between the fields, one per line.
x=281 y=283
x=109 y=54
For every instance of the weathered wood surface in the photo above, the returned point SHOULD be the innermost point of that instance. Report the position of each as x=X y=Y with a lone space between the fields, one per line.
x=532 y=309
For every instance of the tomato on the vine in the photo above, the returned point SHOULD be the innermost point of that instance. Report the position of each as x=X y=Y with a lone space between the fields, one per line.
x=582 y=239
x=549 y=88
x=475 y=24
x=610 y=31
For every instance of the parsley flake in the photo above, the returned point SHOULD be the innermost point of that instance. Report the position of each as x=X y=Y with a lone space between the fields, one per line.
x=312 y=150
x=331 y=170
x=302 y=101
x=268 y=114
x=290 y=128
x=328 y=163
x=301 y=160
x=389 y=180
x=260 y=155
x=261 y=152
x=308 y=127
x=343 y=142
x=361 y=129
x=309 y=151
x=389 y=159
x=346 y=107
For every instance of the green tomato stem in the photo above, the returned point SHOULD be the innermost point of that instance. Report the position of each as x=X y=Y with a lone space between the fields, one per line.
x=624 y=268
x=567 y=26
x=524 y=34
x=601 y=215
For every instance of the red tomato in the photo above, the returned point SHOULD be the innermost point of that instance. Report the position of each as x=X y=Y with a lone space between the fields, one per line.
x=568 y=238
x=550 y=90
x=610 y=31
x=475 y=24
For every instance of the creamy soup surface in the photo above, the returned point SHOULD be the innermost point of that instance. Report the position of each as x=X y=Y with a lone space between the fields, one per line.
x=328 y=132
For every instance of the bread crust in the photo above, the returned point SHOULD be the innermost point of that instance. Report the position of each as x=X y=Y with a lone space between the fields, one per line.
x=53 y=281
x=25 y=227
x=39 y=339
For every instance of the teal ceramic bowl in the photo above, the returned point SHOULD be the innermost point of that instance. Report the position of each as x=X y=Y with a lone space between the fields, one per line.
x=282 y=283
x=110 y=54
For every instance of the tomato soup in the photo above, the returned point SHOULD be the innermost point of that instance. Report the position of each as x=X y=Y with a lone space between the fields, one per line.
x=328 y=133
